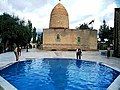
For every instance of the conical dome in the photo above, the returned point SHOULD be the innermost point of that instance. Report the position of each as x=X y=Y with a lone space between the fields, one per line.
x=59 y=17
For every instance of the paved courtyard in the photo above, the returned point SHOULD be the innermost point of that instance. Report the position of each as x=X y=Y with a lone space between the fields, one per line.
x=9 y=57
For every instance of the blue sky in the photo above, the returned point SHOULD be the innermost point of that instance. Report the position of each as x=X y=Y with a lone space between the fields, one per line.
x=80 y=11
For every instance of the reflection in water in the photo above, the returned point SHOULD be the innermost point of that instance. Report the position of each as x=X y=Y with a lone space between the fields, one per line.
x=58 y=73
x=78 y=63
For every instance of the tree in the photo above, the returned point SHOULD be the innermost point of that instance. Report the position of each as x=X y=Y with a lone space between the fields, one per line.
x=7 y=23
x=106 y=33
x=34 y=35
x=111 y=35
x=83 y=26
x=13 y=30
x=29 y=25
x=40 y=38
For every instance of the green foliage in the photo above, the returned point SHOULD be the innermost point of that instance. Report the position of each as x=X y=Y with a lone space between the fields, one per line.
x=34 y=35
x=105 y=32
x=40 y=38
x=1 y=47
x=83 y=26
x=30 y=25
x=13 y=30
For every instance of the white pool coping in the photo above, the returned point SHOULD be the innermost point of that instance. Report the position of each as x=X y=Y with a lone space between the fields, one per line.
x=5 y=85
x=115 y=85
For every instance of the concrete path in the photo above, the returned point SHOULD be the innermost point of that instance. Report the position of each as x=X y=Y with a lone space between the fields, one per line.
x=9 y=57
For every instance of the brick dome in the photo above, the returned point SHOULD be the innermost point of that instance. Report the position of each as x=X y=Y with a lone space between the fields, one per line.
x=59 y=17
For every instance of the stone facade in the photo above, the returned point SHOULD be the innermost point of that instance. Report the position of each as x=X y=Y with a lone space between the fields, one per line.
x=117 y=32
x=69 y=39
x=59 y=37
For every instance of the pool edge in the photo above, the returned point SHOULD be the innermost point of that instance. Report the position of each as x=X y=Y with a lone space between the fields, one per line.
x=115 y=85
x=5 y=85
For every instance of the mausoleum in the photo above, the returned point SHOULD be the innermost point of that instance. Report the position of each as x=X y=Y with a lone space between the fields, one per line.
x=60 y=37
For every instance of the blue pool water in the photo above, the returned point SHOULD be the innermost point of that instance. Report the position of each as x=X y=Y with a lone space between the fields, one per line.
x=59 y=74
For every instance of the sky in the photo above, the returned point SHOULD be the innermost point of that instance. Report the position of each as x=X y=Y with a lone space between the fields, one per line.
x=80 y=11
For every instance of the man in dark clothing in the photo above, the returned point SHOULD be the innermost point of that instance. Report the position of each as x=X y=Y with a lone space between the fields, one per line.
x=79 y=54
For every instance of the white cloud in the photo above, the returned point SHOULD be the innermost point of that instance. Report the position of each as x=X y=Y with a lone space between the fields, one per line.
x=93 y=9
x=80 y=11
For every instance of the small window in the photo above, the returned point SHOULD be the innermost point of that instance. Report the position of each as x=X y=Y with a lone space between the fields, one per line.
x=58 y=38
x=78 y=39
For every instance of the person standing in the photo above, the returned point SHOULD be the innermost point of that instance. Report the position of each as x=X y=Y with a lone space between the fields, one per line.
x=108 y=52
x=19 y=51
x=16 y=53
x=27 y=47
x=78 y=53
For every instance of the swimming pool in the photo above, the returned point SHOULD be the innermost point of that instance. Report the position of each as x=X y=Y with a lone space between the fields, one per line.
x=59 y=74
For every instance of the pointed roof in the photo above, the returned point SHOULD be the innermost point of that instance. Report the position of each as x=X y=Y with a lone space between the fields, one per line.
x=59 y=17
x=59 y=9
